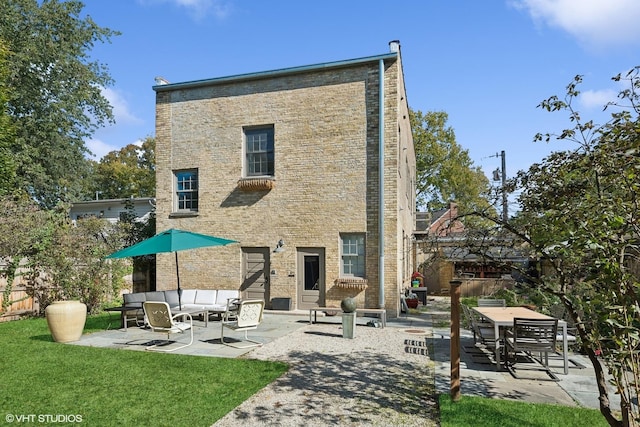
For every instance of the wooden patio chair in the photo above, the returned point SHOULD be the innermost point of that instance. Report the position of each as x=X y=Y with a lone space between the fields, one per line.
x=159 y=317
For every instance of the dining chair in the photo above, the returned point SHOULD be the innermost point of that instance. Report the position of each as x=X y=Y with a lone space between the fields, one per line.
x=483 y=332
x=491 y=302
x=529 y=337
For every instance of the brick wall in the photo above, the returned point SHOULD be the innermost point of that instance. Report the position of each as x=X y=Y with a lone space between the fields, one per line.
x=326 y=176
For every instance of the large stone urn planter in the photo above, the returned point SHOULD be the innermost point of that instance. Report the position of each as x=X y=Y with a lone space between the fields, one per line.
x=66 y=320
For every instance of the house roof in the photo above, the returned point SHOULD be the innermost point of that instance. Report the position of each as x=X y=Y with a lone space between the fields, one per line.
x=436 y=215
x=112 y=202
x=274 y=73
x=501 y=253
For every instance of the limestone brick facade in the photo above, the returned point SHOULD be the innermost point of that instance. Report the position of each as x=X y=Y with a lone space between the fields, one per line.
x=325 y=184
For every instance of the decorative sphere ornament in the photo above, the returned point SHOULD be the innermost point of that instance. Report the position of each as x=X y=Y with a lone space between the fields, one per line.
x=348 y=305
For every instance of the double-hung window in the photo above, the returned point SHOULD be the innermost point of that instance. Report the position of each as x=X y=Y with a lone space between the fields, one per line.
x=186 y=193
x=259 y=151
x=352 y=256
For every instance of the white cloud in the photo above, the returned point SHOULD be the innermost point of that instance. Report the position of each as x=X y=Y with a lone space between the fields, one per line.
x=597 y=99
x=597 y=24
x=198 y=9
x=121 y=111
x=99 y=148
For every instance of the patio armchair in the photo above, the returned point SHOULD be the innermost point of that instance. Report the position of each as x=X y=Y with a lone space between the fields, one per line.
x=530 y=336
x=159 y=318
x=248 y=316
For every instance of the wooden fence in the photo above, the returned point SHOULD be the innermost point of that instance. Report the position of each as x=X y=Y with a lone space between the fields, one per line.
x=23 y=303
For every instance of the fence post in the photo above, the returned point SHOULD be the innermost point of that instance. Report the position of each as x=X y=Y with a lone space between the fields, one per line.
x=455 y=339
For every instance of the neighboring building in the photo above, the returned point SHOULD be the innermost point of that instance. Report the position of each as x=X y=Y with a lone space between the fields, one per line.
x=445 y=222
x=112 y=209
x=441 y=255
x=289 y=163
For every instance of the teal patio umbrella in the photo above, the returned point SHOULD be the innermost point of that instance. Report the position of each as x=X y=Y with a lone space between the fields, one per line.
x=172 y=240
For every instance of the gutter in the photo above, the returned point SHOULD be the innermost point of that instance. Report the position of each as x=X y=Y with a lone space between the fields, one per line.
x=381 y=302
x=164 y=86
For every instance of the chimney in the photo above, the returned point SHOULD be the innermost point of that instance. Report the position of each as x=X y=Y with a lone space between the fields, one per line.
x=394 y=46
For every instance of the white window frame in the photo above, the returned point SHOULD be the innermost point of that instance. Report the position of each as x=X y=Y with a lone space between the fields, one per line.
x=353 y=255
x=185 y=199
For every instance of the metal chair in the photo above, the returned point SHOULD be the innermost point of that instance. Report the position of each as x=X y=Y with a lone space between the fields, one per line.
x=491 y=302
x=248 y=316
x=531 y=336
x=483 y=332
x=158 y=315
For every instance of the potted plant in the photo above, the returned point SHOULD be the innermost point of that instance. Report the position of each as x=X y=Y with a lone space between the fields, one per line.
x=66 y=320
x=416 y=279
x=412 y=300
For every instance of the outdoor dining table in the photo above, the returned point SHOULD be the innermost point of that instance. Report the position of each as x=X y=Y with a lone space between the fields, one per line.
x=502 y=317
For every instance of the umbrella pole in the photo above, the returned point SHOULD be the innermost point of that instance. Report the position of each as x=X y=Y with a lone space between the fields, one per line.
x=178 y=277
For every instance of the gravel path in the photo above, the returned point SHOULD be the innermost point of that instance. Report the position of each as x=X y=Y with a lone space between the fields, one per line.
x=381 y=377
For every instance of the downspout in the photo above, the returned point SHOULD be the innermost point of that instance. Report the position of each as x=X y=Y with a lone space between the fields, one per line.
x=381 y=302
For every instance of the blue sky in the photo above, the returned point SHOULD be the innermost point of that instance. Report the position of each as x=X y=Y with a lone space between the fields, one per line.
x=487 y=63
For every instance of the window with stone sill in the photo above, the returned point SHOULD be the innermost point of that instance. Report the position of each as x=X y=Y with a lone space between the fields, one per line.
x=352 y=256
x=259 y=151
x=186 y=191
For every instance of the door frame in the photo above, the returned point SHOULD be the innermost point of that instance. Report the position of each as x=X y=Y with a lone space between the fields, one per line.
x=267 y=269
x=301 y=252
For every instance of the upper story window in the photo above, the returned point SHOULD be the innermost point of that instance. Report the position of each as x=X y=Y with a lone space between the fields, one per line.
x=352 y=257
x=186 y=194
x=259 y=151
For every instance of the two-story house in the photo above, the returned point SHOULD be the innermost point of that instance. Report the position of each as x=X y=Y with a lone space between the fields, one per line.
x=311 y=169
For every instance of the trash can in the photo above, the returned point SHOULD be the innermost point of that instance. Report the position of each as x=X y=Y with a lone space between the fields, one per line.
x=281 y=304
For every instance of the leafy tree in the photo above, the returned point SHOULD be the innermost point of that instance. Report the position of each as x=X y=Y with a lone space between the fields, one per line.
x=579 y=215
x=55 y=93
x=128 y=172
x=73 y=264
x=7 y=131
x=57 y=259
x=445 y=172
x=25 y=229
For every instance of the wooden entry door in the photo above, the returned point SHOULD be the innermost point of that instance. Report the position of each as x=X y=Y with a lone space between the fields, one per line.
x=255 y=273
x=311 y=276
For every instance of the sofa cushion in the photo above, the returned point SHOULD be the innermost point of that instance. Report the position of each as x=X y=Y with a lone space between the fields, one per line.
x=224 y=295
x=205 y=296
x=154 y=296
x=188 y=296
x=171 y=297
x=134 y=300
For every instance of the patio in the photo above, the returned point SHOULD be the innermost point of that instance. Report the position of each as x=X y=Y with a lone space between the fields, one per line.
x=206 y=339
x=478 y=374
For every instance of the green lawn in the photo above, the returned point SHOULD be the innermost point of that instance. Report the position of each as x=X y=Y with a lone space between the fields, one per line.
x=109 y=387
x=485 y=412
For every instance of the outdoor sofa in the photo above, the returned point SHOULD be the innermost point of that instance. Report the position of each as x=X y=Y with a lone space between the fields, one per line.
x=204 y=301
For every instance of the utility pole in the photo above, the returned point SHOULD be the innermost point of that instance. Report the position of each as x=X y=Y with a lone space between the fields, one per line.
x=497 y=177
x=505 y=214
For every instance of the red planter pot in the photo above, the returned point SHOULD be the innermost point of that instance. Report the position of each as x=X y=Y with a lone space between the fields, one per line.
x=412 y=303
